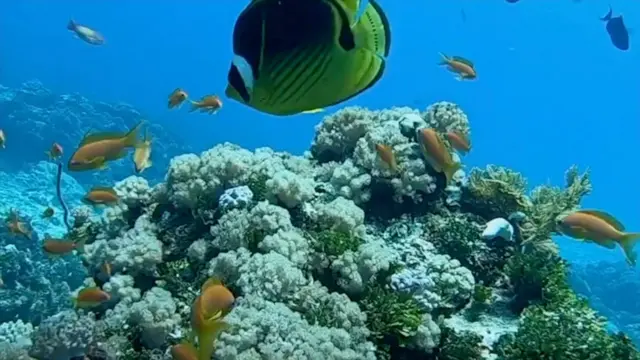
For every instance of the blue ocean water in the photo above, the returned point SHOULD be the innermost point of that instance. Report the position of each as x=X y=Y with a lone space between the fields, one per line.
x=551 y=91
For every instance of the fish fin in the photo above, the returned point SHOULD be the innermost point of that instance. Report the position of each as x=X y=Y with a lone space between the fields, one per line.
x=79 y=245
x=372 y=30
x=606 y=217
x=71 y=25
x=49 y=155
x=131 y=138
x=609 y=244
x=99 y=162
x=210 y=282
x=194 y=106
x=608 y=16
x=444 y=59
x=451 y=170
x=99 y=136
x=627 y=242
x=314 y=111
x=148 y=164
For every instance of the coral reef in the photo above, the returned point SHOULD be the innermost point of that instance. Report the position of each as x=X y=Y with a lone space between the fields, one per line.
x=333 y=256
x=37 y=117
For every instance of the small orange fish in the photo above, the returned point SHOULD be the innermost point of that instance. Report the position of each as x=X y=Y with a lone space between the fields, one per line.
x=96 y=150
x=91 y=297
x=100 y=195
x=142 y=155
x=177 y=97
x=3 y=139
x=18 y=227
x=48 y=213
x=106 y=269
x=59 y=247
x=601 y=228
x=436 y=153
x=184 y=351
x=459 y=65
x=213 y=303
x=55 y=152
x=459 y=141
x=387 y=156
x=209 y=104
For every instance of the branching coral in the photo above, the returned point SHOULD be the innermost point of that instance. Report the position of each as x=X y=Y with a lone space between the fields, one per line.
x=495 y=192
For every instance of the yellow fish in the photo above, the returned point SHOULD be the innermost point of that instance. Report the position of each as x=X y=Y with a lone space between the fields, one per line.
x=142 y=155
x=286 y=64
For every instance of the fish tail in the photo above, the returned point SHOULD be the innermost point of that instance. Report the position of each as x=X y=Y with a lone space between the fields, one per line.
x=627 y=242
x=194 y=106
x=444 y=59
x=80 y=244
x=71 y=25
x=131 y=138
x=49 y=155
x=451 y=170
x=608 y=16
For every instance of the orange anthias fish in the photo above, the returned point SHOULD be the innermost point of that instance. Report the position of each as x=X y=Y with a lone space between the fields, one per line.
x=387 y=156
x=17 y=227
x=601 y=228
x=55 y=152
x=214 y=302
x=59 y=247
x=436 y=153
x=142 y=155
x=3 y=139
x=184 y=351
x=209 y=104
x=459 y=141
x=91 y=297
x=459 y=65
x=101 y=195
x=95 y=150
x=176 y=98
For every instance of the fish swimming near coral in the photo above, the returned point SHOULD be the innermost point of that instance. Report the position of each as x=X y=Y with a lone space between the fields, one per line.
x=617 y=30
x=142 y=155
x=97 y=149
x=55 y=152
x=59 y=247
x=459 y=141
x=101 y=195
x=459 y=65
x=387 y=156
x=91 y=297
x=176 y=98
x=85 y=33
x=436 y=153
x=293 y=56
x=601 y=228
x=16 y=226
x=208 y=104
x=213 y=303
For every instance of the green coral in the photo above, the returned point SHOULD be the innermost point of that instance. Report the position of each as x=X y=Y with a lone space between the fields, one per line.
x=458 y=235
x=496 y=192
x=567 y=331
x=334 y=243
x=392 y=318
x=459 y=345
x=258 y=185
x=548 y=203
x=535 y=277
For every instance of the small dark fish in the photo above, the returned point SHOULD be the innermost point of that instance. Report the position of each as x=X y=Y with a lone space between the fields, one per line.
x=617 y=30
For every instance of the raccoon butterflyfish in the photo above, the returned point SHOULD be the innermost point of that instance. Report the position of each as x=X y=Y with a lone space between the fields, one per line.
x=293 y=56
